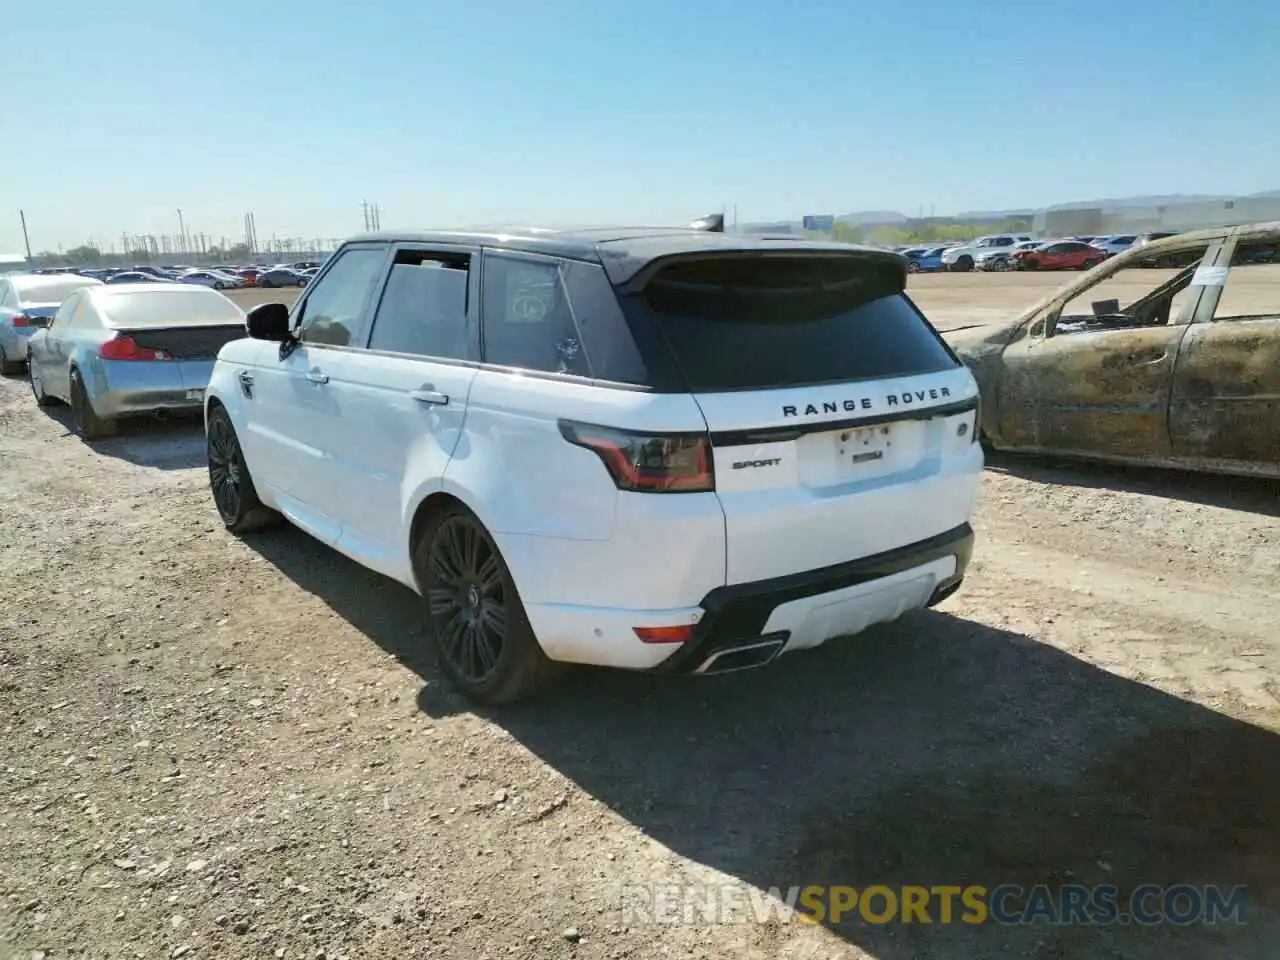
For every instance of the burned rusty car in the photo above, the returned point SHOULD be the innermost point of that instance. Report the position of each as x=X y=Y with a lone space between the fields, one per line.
x=1186 y=375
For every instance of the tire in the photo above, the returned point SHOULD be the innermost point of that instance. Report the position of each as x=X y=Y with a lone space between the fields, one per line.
x=266 y=284
x=964 y=264
x=913 y=267
x=219 y=285
x=37 y=386
x=85 y=423
x=1089 y=264
x=9 y=368
x=473 y=607
x=234 y=495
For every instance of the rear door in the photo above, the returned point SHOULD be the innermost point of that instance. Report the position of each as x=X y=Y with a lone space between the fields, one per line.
x=1226 y=390
x=404 y=399
x=841 y=425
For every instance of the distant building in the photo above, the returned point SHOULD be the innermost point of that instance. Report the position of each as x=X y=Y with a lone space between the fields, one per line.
x=13 y=263
x=1192 y=215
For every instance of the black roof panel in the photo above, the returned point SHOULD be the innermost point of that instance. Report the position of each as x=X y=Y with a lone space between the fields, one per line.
x=624 y=251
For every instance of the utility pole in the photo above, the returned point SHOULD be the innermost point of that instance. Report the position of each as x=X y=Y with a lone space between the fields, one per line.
x=26 y=240
x=182 y=231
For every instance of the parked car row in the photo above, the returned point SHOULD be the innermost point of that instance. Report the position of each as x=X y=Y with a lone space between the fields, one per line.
x=1016 y=251
x=222 y=277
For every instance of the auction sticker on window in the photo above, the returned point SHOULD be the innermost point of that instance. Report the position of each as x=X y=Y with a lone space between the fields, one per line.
x=1209 y=277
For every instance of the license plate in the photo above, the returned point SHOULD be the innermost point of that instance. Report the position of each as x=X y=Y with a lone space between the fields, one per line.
x=195 y=394
x=865 y=444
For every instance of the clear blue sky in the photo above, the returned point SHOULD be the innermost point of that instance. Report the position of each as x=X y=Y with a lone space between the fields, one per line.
x=113 y=115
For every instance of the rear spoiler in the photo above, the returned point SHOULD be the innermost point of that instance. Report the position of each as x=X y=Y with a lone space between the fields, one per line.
x=629 y=282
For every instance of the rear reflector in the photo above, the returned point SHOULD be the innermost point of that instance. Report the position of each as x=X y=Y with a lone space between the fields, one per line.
x=126 y=348
x=677 y=634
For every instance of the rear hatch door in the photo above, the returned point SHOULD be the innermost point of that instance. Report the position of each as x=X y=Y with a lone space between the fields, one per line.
x=837 y=415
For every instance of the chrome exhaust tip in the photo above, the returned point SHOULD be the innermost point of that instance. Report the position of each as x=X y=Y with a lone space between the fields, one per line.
x=747 y=656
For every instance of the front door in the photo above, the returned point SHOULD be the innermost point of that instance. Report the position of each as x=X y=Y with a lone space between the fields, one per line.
x=1098 y=379
x=296 y=420
x=1226 y=391
x=404 y=400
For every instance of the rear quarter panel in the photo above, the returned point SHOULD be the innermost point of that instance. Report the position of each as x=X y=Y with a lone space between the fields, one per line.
x=567 y=533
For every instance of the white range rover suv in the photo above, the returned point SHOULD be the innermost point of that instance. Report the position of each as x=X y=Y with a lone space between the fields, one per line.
x=662 y=449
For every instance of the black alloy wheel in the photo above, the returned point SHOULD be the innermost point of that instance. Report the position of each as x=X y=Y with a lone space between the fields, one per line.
x=466 y=599
x=233 y=491
x=226 y=469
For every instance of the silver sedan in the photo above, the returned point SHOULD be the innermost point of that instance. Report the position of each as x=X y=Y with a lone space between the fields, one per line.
x=121 y=350
x=27 y=301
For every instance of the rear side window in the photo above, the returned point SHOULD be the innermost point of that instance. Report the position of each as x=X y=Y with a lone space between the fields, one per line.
x=557 y=316
x=745 y=323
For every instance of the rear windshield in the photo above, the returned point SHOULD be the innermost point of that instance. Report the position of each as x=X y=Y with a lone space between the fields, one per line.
x=167 y=307
x=758 y=322
x=50 y=291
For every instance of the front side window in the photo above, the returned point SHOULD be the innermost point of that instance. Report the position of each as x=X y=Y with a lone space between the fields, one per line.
x=423 y=310
x=1140 y=295
x=528 y=319
x=333 y=311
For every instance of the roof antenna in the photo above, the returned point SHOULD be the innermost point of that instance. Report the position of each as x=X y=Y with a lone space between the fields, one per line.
x=711 y=223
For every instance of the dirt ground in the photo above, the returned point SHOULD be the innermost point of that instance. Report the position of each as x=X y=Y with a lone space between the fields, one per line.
x=224 y=748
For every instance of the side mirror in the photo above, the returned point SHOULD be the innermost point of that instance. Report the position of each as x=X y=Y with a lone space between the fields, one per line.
x=268 y=321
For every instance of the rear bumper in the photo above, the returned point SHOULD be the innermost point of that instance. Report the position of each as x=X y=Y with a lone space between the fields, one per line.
x=125 y=388
x=804 y=609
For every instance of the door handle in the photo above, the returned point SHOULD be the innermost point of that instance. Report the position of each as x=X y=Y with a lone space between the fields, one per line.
x=430 y=396
x=246 y=378
x=317 y=376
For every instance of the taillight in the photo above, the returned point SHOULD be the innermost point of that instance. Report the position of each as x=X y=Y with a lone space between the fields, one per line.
x=648 y=462
x=126 y=348
x=21 y=320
